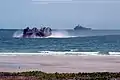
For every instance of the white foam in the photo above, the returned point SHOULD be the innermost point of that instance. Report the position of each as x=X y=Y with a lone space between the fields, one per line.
x=114 y=53
x=53 y=53
x=18 y=34
x=60 y=53
x=10 y=53
x=60 y=34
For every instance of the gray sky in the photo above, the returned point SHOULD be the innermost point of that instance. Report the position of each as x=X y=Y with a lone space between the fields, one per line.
x=60 y=14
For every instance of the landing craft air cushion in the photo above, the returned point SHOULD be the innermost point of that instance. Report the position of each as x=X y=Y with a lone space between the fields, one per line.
x=42 y=32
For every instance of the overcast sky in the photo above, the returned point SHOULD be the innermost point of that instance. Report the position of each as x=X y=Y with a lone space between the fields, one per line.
x=60 y=14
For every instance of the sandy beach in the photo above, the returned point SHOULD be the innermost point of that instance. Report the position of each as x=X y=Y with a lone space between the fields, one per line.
x=60 y=63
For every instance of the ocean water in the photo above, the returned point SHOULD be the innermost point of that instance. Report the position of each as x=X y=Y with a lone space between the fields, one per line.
x=62 y=42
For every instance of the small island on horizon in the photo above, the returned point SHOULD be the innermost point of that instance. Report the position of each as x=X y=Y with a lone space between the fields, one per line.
x=79 y=27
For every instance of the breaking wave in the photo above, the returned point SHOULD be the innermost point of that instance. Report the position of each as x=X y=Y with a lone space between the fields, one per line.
x=62 y=53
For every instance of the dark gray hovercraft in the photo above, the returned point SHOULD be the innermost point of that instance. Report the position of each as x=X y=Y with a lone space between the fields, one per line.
x=34 y=32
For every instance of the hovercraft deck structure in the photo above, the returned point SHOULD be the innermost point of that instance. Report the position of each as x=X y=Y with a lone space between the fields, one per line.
x=34 y=32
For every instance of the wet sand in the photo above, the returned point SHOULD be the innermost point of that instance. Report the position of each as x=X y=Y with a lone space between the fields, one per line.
x=60 y=63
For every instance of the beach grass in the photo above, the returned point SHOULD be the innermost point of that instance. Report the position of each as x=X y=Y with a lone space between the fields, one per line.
x=38 y=75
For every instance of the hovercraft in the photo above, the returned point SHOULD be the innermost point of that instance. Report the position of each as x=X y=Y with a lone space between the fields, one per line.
x=34 y=32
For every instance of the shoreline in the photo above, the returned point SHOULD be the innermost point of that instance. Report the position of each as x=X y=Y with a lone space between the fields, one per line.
x=60 y=64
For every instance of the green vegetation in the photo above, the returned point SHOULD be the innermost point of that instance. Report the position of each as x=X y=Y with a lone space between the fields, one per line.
x=38 y=75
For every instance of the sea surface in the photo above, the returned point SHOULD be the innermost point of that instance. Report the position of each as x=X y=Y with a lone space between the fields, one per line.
x=64 y=42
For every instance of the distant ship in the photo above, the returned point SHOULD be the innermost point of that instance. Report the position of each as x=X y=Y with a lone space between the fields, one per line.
x=78 y=27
